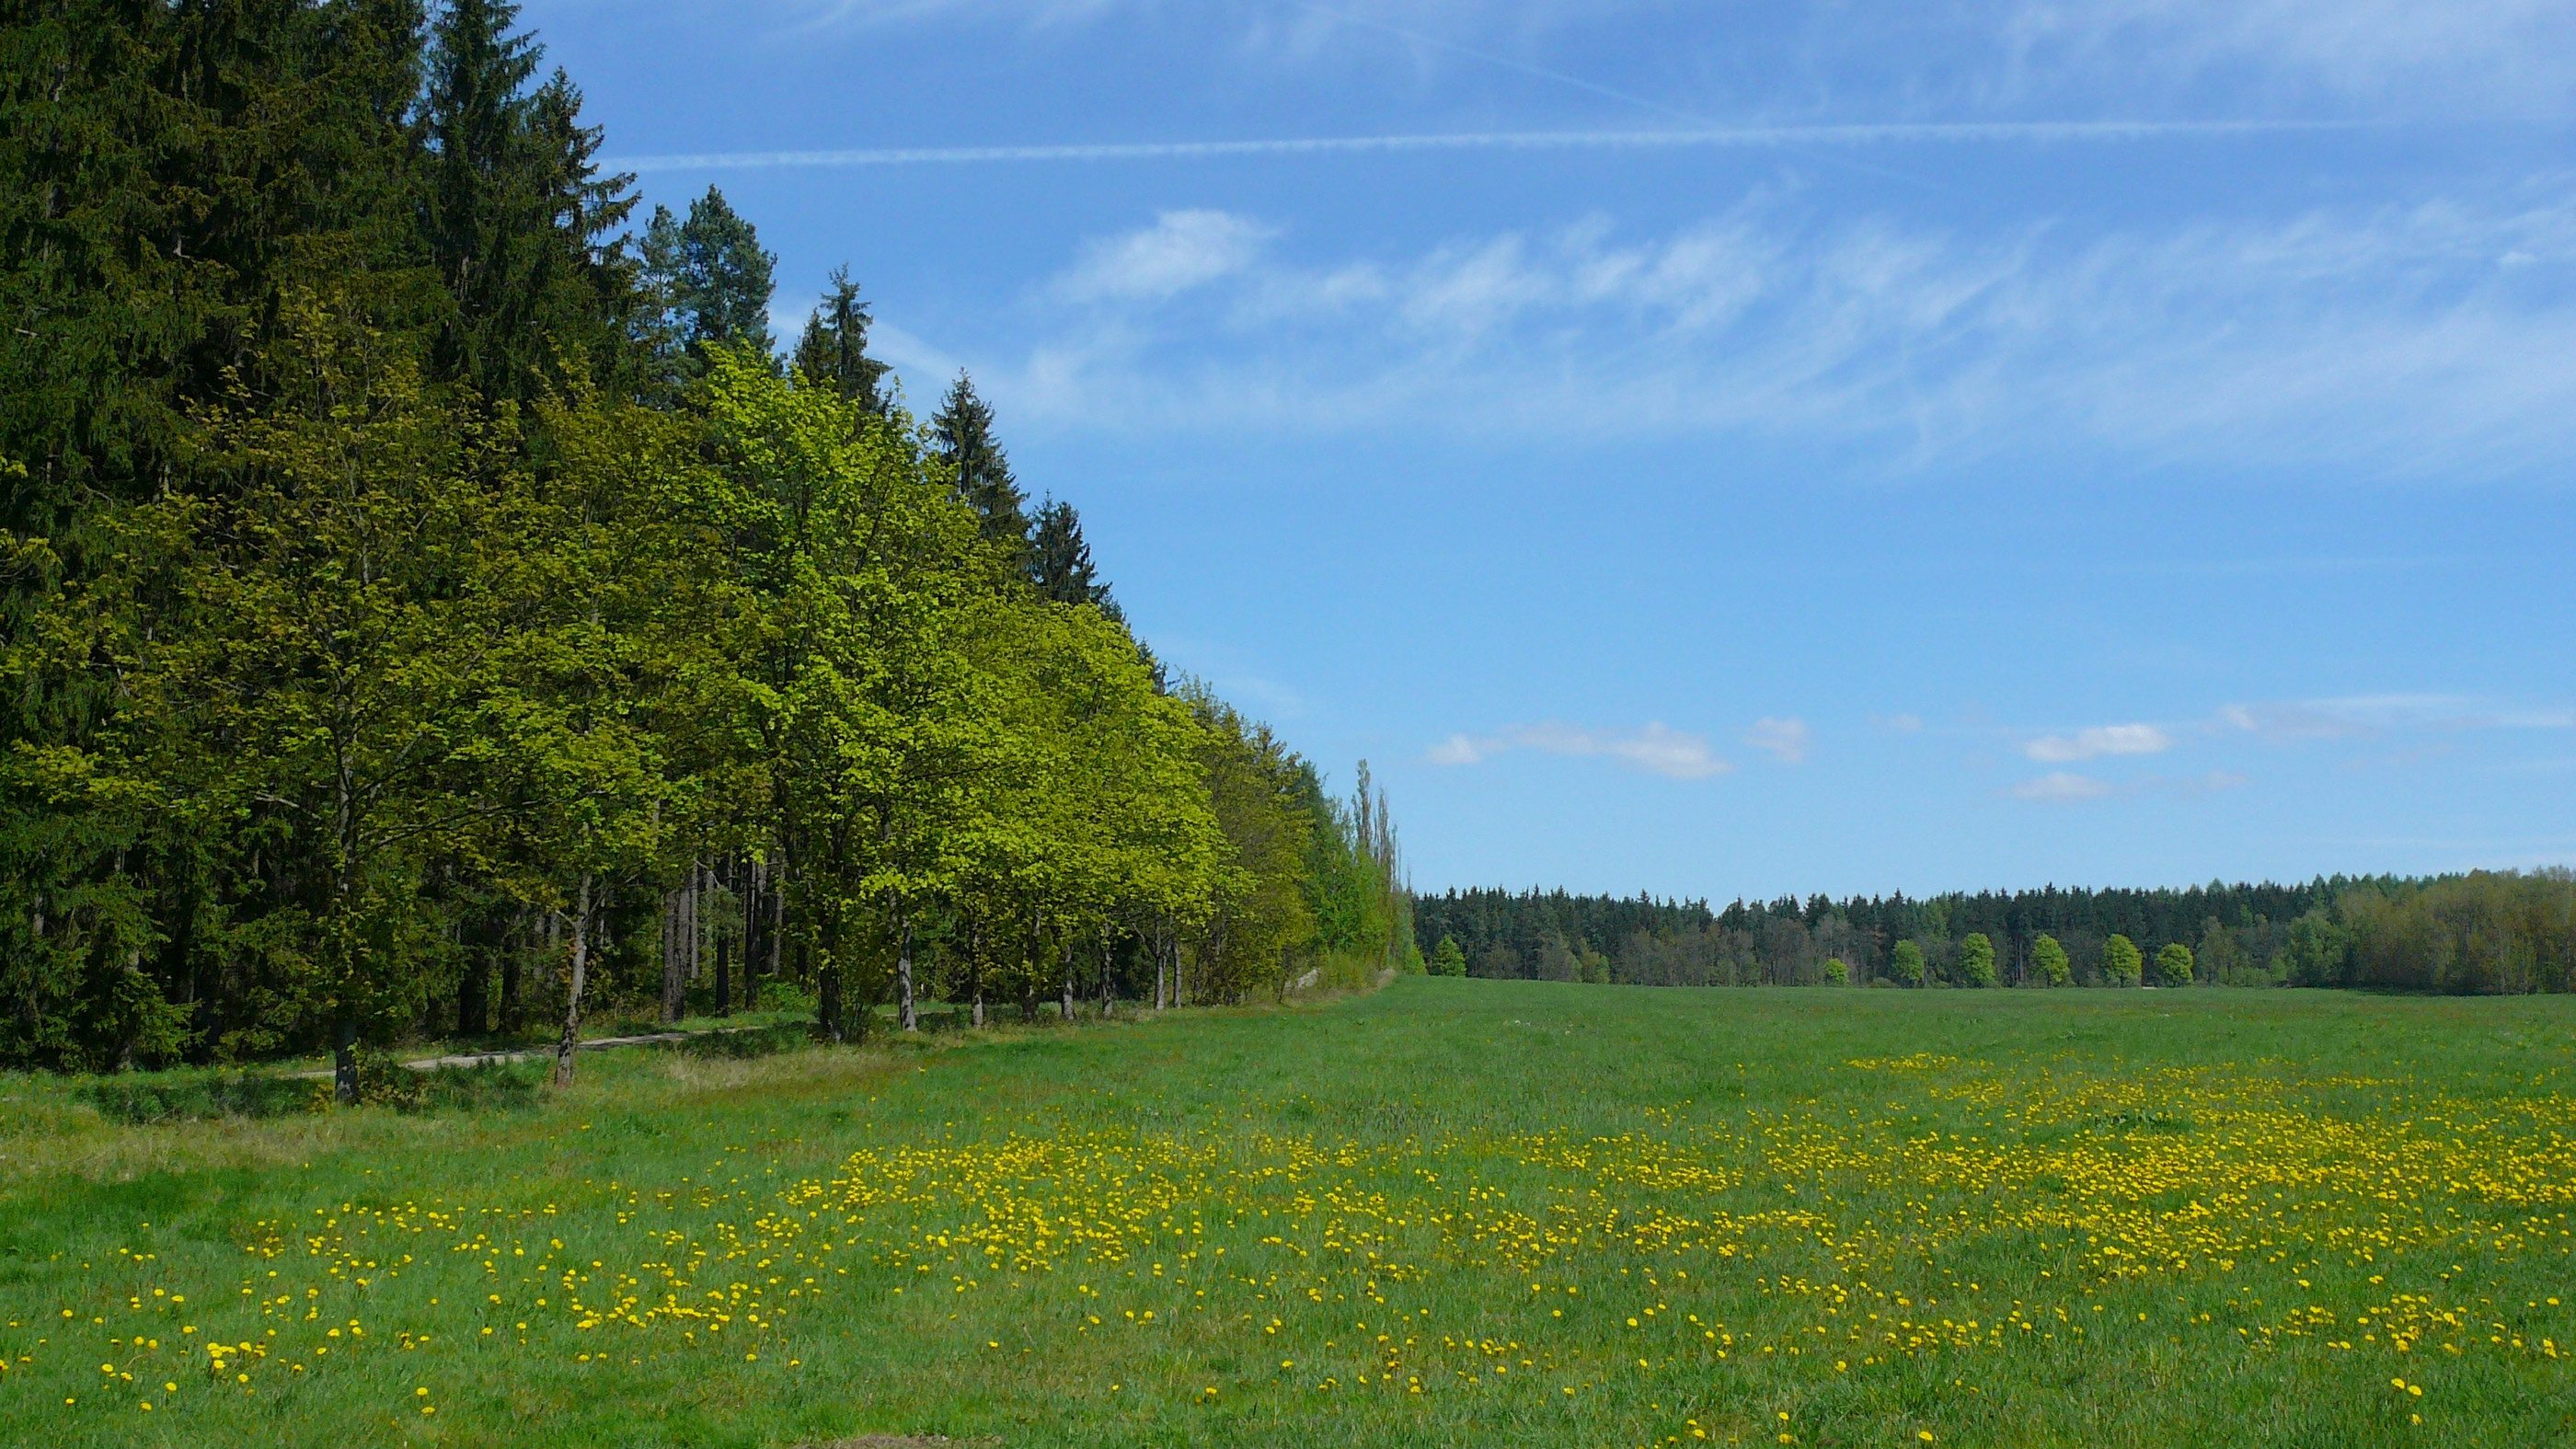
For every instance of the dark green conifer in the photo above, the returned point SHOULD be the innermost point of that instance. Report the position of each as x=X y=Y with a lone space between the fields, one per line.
x=710 y=277
x=515 y=211
x=1060 y=560
x=834 y=348
x=972 y=461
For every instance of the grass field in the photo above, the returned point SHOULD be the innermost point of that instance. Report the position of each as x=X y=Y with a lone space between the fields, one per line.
x=1453 y=1212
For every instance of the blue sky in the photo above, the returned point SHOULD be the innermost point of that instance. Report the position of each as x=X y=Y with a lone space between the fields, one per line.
x=1734 y=449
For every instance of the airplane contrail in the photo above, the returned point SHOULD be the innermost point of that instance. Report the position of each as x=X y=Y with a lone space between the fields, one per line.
x=1733 y=137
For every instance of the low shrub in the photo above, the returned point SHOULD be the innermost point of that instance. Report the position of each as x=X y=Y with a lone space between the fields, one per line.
x=748 y=1042
x=145 y=1098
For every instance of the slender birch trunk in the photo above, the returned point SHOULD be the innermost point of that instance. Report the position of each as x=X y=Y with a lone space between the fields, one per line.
x=1068 y=976
x=1108 y=997
x=572 y=994
x=975 y=965
x=1162 y=973
x=903 y=968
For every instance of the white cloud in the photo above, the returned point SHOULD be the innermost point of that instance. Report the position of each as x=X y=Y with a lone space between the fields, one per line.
x=2290 y=722
x=1785 y=739
x=2386 y=343
x=1987 y=52
x=2131 y=739
x=1656 y=749
x=1181 y=250
x=1465 y=750
x=2480 y=51
x=2062 y=788
x=1903 y=724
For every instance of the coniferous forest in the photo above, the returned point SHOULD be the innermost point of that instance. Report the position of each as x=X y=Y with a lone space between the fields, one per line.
x=2484 y=932
x=436 y=604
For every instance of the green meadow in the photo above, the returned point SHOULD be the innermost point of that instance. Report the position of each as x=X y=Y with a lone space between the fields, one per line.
x=1449 y=1212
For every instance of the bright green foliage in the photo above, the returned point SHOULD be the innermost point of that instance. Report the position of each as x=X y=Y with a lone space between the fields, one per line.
x=2319 y=951
x=410 y=603
x=2121 y=962
x=1977 y=959
x=1447 y=959
x=2173 y=965
x=2048 y=963
x=1836 y=971
x=1355 y=874
x=1905 y=963
x=2487 y=931
x=1258 y=910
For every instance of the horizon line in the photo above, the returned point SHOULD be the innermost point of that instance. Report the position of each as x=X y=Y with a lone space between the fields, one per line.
x=1743 y=137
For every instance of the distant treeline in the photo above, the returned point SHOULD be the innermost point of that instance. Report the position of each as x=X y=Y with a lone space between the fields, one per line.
x=2477 y=933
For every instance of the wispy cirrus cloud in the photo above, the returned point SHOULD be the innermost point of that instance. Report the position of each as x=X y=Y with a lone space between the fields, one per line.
x=1986 y=53
x=2063 y=787
x=1656 y=749
x=2363 y=716
x=1866 y=135
x=2393 y=342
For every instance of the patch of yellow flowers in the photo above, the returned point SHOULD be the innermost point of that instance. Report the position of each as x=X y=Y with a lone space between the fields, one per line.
x=2284 y=1206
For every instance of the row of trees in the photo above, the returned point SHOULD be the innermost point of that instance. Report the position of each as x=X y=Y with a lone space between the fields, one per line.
x=2482 y=932
x=430 y=608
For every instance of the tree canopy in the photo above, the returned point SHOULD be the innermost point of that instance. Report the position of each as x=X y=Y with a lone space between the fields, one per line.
x=431 y=606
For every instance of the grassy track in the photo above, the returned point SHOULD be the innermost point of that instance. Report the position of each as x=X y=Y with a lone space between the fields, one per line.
x=1450 y=1213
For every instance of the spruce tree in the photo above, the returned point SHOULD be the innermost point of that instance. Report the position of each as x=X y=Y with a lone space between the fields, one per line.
x=972 y=462
x=1060 y=560
x=710 y=278
x=834 y=349
x=514 y=210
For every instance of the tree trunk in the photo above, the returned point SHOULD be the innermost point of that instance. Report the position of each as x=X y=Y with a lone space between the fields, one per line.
x=572 y=991
x=1068 y=976
x=675 y=986
x=1029 y=975
x=1162 y=976
x=697 y=924
x=510 y=976
x=754 y=904
x=344 y=1061
x=1108 y=988
x=775 y=935
x=473 y=1001
x=724 y=974
x=975 y=965
x=903 y=969
x=828 y=1008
